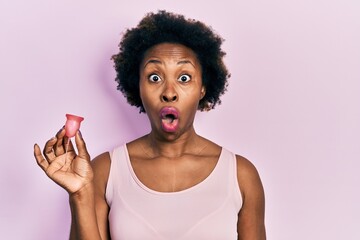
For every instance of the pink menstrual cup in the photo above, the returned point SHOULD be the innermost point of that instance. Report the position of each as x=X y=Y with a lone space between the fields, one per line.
x=72 y=125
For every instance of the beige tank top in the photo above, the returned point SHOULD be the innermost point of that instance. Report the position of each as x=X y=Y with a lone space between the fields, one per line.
x=208 y=210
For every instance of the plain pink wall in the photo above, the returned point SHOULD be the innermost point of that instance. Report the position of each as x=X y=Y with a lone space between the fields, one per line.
x=292 y=106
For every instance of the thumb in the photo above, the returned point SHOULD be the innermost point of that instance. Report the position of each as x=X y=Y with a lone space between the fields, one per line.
x=81 y=146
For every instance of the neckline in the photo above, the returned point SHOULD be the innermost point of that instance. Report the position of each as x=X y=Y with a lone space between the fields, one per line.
x=192 y=188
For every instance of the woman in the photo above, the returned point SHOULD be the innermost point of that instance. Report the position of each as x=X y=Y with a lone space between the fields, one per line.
x=171 y=183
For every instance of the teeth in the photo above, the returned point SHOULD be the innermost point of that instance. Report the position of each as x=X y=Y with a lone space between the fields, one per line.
x=169 y=119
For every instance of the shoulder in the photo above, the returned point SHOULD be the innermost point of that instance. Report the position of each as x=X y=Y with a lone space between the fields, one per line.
x=248 y=178
x=101 y=163
x=245 y=166
x=101 y=167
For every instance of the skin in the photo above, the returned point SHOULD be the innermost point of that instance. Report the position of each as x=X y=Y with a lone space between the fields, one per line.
x=170 y=76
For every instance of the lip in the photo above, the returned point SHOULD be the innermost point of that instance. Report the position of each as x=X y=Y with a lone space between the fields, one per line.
x=169 y=110
x=169 y=124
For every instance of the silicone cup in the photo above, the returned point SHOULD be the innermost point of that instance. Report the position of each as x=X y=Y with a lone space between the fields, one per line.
x=72 y=125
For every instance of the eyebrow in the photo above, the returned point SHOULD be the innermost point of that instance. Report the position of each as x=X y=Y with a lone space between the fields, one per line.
x=185 y=62
x=152 y=61
x=159 y=62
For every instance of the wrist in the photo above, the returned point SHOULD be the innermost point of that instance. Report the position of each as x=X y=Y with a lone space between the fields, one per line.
x=85 y=194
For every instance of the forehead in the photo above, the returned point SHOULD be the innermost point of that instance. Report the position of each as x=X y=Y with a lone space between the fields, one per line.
x=171 y=51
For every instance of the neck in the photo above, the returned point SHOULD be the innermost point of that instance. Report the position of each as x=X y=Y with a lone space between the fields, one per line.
x=187 y=143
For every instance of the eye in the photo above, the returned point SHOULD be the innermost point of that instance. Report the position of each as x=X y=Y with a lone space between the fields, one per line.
x=154 y=78
x=184 y=78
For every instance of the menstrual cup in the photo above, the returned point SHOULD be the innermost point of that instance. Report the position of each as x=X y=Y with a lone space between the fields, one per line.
x=72 y=125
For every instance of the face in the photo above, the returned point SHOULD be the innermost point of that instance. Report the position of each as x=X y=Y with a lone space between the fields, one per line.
x=170 y=87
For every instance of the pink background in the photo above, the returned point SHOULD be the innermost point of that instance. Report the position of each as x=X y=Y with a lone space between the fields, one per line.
x=292 y=106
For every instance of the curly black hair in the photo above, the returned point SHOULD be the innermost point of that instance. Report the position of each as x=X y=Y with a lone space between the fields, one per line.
x=163 y=26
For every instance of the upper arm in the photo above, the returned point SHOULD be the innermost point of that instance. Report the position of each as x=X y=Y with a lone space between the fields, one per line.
x=251 y=224
x=101 y=168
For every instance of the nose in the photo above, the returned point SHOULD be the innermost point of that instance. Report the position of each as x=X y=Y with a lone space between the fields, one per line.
x=169 y=94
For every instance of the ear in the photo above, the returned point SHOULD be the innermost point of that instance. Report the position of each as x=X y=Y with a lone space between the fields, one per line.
x=202 y=92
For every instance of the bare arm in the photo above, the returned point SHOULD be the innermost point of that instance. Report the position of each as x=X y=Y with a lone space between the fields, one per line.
x=251 y=224
x=84 y=223
x=89 y=208
x=101 y=168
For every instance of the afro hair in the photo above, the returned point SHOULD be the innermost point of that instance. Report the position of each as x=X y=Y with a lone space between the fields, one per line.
x=161 y=27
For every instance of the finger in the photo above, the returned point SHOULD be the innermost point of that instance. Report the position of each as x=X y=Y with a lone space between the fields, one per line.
x=41 y=161
x=60 y=143
x=49 y=149
x=81 y=146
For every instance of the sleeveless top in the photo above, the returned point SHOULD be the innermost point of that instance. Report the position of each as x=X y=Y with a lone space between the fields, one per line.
x=209 y=210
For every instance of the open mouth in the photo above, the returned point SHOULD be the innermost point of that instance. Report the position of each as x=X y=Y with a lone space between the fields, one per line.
x=169 y=119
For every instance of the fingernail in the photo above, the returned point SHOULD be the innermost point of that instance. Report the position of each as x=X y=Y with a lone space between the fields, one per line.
x=80 y=134
x=60 y=130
